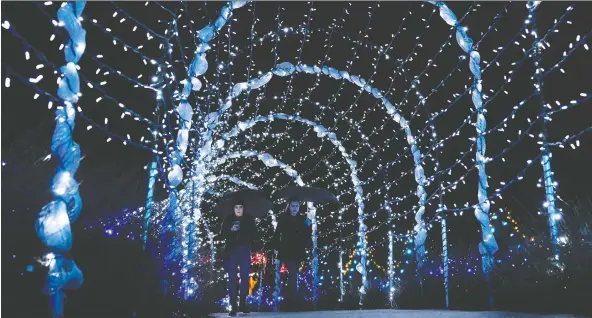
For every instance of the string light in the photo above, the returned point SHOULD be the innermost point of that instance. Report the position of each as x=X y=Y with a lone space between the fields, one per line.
x=215 y=152
x=90 y=84
x=546 y=156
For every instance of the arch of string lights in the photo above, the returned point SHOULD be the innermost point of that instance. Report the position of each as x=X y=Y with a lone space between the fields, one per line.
x=241 y=89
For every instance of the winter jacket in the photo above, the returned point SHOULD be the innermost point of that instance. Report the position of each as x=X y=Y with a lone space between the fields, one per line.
x=247 y=235
x=291 y=238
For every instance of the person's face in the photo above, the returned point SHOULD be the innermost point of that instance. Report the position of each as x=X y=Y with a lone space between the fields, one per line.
x=238 y=210
x=294 y=207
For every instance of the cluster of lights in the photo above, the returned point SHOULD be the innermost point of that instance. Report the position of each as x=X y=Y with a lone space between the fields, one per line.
x=546 y=156
x=489 y=64
x=201 y=180
x=332 y=99
x=126 y=111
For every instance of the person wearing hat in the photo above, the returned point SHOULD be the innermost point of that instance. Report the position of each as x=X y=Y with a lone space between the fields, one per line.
x=291 y=238
x=240 y=233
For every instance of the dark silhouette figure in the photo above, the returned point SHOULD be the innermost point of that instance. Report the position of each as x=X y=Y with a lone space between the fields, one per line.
x=240 y=232
x=291 y=238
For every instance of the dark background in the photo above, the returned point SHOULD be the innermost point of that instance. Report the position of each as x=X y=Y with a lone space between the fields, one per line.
x=113 y=177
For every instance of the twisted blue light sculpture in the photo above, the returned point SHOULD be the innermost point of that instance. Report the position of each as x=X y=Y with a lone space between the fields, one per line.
x=488 y=246
x=54 y=219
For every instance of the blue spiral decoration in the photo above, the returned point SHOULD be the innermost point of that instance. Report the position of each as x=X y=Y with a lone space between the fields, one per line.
x=54 y=219
x=488 y=246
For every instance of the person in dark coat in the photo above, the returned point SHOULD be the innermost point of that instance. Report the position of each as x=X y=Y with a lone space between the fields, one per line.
x=240 y=232
x=292 y=236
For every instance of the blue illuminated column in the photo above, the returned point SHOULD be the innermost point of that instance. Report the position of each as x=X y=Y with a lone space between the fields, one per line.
x=488 y=245
x=193 y=245
x=260 y=292
x=391 y=269
x=312 y=215
x=153 y=172
x=276 y=292
x=340 y=264
x=442 y=212
x=53 y=224
x=391 y=257
x=549 y=205
x=192 y=83
x=363 y=256
x=212 y=247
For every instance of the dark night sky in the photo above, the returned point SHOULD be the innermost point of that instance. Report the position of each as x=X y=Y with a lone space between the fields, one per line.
x=112 y=175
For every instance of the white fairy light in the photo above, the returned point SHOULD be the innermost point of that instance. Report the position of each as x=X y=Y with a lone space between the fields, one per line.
x=359 y=143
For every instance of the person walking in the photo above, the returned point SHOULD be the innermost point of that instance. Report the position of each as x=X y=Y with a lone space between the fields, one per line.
x=240 y=232
x=291 y=238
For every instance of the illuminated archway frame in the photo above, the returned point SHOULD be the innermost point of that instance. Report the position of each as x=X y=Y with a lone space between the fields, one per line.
x=413 y=87
x=285 y=69
x=321 y=132
x=270 y=161
x=298 y=31
x=488 y=246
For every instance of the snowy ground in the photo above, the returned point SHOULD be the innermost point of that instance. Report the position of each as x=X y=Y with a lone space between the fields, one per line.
x=394 y=314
